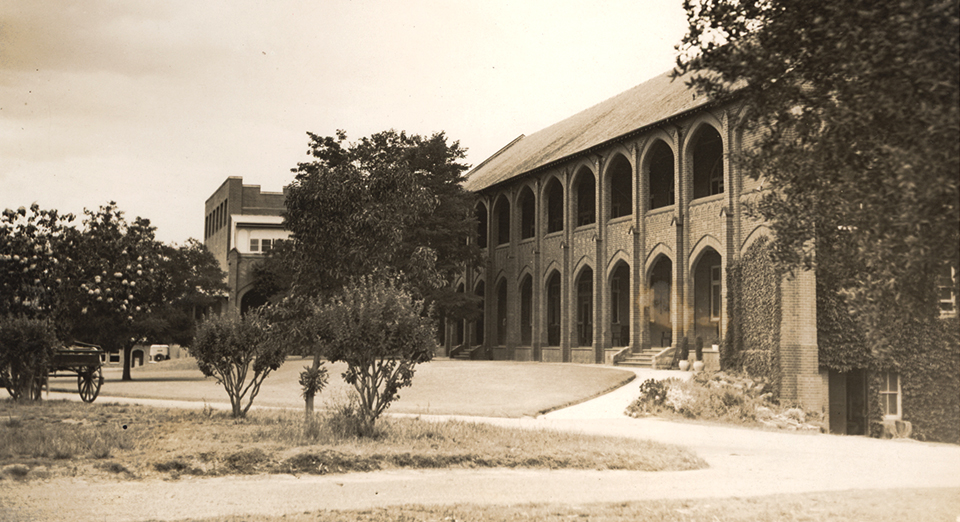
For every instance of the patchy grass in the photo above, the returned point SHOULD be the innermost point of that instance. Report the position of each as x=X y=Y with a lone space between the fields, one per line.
x=877 y=506
x=721 y=397
x=136 y=441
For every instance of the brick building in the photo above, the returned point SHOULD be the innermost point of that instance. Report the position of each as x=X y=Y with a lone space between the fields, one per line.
x=241 y=223
x=609 y=234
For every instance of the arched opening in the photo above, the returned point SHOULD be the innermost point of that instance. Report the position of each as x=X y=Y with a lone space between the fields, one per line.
x=458 y=325
x=661 y=175
x=526 y=311
x=478 y=324
x=554 y=316
x=501 y=215
x=251 y=301
x=585 y=307
x=621 y=187
x=502 y=313
x=620 y=305
x=481 y=225
x=585 y=189
x=528 y=221
x=661 y=283
x=707 y=296
x=707 y=163
x=554 y=206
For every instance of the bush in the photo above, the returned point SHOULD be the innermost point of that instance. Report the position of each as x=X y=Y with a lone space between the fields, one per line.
x=227 y=347
x=382 y=333
x=26 y=348
x=722 y=397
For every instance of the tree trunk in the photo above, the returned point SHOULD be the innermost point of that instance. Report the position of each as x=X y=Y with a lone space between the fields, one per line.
x=308 y=395
x=127 y=353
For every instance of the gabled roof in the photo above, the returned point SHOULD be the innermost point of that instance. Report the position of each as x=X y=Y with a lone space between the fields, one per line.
x=649 y=103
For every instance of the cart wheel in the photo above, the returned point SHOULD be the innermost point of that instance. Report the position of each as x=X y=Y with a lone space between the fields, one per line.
x=89 y=384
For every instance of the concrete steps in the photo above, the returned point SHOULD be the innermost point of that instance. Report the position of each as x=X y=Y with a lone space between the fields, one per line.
x=642 y=359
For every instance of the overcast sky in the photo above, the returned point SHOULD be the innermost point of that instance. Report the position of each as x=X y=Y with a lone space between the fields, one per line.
x=154 y=104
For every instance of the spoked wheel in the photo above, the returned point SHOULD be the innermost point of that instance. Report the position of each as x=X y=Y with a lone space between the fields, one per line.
x=89 y=383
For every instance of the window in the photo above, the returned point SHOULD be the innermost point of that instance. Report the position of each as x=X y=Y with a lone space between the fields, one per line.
x=715 y=293
x=254 y=245
x=266 y=244
x=946 y=293
x=890 y=395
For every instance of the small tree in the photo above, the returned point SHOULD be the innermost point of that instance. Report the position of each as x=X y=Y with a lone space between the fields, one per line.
x=380 y=331
x=228 y=348
x=26 y=347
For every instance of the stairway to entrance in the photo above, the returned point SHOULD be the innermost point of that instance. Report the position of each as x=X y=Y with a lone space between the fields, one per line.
x=643 y=359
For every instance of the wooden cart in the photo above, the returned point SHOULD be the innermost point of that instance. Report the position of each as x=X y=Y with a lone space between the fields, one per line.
x=80 y=359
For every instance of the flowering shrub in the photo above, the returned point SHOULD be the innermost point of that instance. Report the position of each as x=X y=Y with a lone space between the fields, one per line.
x=723 y=397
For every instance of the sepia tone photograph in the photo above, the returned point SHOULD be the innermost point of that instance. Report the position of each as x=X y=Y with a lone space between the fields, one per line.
x=672 y=260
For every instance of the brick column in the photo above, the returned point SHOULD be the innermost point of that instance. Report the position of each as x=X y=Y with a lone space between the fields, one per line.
x=799 y=364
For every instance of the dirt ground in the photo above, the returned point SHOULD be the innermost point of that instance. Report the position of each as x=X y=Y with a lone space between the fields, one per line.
x=743 y=463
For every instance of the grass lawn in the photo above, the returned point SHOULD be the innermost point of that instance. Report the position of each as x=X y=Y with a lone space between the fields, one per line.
x=111 y=441
x=876 y=506
x=480 y=388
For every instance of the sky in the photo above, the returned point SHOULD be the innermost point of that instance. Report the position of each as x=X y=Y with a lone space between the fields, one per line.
x=152 y=104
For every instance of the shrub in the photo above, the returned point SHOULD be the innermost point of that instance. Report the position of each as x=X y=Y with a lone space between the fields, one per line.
x=227 y=348
x=382 y=333
x=26 y=348
x=723 y=397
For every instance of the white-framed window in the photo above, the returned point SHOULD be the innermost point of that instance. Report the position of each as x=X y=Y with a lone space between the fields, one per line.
x=254 y=245
x=890 y=396
x=266 y=245
x=715 y=293
x=946 y=293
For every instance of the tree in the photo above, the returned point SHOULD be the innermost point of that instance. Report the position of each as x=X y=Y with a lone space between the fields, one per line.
x=37 y=250
x=228 y=348
x=381 y=332
x=193 y=282
x=391 y=202
x=853 y=110
x=119 y=282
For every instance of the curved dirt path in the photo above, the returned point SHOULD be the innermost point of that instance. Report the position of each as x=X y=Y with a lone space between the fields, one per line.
x=743 y=463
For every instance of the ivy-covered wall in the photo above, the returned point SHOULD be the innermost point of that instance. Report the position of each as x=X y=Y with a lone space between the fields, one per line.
x=753 y=333
x=926 y=354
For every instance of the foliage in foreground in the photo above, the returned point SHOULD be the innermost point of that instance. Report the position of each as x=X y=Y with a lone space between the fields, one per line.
x=26 y=348
x=382 y=333
x=130 y=441
x=721 y=397
x=229 y=348
x=853 y=111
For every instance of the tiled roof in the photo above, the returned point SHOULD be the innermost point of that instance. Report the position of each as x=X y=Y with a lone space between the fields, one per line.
x=650 y=102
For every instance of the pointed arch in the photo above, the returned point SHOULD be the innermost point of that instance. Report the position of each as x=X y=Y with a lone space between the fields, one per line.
x=618 y=185
x=584 y=194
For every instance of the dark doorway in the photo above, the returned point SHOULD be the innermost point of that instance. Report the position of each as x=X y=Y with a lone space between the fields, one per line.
x=585 y=308
x=848 y=402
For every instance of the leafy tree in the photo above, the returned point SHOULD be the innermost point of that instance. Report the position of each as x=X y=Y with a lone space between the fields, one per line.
x=381 y=332
x=37 y=250
x=27 y=346
x=193 y=283
x=229 y=348
x=853 y=111
x=120 y=282
x=390 y=202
